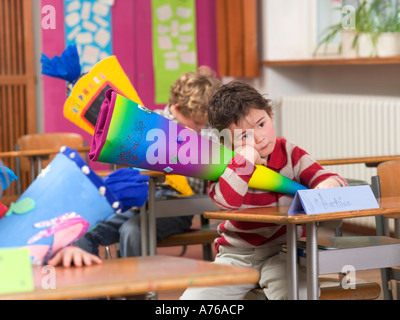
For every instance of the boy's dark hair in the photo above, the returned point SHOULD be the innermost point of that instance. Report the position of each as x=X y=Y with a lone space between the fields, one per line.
x=232 y=102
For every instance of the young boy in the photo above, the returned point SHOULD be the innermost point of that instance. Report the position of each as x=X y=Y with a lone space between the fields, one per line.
x=248 y=116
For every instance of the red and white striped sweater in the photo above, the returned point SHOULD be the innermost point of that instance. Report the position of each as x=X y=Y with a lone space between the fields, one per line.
x=231 y=191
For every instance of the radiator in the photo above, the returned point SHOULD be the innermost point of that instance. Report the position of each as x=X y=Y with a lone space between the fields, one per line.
x=342 y=126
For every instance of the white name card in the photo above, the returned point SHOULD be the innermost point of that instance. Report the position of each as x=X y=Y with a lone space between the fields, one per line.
x=314 y=201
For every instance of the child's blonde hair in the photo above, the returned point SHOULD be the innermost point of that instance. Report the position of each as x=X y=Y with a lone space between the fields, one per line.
x=193 y=91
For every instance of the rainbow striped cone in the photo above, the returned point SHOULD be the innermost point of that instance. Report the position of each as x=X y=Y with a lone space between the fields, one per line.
x=129 y=134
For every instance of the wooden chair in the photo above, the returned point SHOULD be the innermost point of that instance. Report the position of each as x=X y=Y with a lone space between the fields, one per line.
x=204 y=235
x=331 y=289
x=27 y=168
x=387 y=184
x=200 y=233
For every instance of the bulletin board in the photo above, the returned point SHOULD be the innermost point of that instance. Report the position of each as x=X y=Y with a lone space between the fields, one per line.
x=174 y=43
x=88 y=24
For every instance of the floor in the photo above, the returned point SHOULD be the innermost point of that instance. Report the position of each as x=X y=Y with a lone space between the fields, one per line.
x=195 y=252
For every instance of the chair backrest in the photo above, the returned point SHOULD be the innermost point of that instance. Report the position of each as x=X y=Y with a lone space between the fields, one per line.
x=386 y=184
x=389 y=173
x=41 y=141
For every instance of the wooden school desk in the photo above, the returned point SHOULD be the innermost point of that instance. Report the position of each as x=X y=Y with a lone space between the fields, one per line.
x=137 y=275
x=279 y=215
x=185 y=206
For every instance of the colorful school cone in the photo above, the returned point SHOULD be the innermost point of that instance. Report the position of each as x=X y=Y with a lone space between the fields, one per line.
x=66 y=200
x=83 y=105
x=129 y=134
x=3 y=210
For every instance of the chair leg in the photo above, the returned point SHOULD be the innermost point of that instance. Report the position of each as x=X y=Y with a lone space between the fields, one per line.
x=387 y=292
x=183 y=251
x=118 y=250
x=207 y=252
x=108 y=253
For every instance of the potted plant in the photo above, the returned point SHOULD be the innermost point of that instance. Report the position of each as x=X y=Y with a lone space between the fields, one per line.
x=373 y=19
x=327 y=36
x=367 y=28
x=388 y=42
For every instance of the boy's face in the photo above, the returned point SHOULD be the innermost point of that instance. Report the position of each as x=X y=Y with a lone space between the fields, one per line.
x=256 y=130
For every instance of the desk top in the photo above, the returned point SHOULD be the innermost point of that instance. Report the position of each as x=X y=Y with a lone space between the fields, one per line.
x=135 y=276
x=280 y=214
x=368 y=161
x=372 y=161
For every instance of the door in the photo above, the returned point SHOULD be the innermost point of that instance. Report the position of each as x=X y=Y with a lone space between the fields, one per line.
x=17 y=74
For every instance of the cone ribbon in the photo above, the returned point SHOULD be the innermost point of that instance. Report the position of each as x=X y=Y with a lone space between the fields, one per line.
x=129 y=134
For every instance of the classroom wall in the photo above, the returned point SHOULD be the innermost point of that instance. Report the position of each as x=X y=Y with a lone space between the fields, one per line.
x=132 y=46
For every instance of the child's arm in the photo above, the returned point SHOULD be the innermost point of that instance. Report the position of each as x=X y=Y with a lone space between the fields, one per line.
x=329 y=183
x=310 y=173
x=229 y=191
x=251 y=154
x=74 y=254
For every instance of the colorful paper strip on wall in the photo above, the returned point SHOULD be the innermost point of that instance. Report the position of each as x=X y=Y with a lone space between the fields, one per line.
x=88 y=24
x=174 y=43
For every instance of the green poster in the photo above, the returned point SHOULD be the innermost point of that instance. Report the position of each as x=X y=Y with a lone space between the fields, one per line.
x=174 y=43
x=16 y=273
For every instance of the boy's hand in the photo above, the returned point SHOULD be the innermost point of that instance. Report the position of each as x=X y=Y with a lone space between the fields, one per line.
x=74 y=254
x=251 y=154
x=328 y=183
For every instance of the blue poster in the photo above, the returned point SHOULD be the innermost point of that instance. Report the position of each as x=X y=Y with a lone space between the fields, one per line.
x=88 y=24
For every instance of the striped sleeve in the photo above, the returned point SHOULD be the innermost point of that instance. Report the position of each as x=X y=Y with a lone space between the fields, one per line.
x=230 y=189
x=308 y=171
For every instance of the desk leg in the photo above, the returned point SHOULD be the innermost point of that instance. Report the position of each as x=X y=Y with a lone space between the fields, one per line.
x=39 y=166
x=397 y=228
x=152 y=218
x=144 y=231
x=312 y=261
x=292 y=272
x=33 y=170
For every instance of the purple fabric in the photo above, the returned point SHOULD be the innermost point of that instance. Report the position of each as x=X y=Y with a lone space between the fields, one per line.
x=102 y=125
